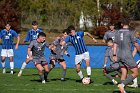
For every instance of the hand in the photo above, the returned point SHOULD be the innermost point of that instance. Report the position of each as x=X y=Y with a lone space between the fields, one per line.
x=115 y=58
x=30 y=58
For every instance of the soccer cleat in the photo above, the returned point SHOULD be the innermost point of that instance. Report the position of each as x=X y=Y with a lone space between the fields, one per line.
x=4 y=71
x=133 y=86
x=43 y=82
x=114 y=82
x=20 y=73
x=62 y=79
x=12 y=72
x=121 y=88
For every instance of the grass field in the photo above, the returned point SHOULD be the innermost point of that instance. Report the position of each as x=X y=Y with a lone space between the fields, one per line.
x=29 y=83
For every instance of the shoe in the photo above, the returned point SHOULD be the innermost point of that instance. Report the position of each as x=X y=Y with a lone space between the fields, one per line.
x=62 y=79
x=133 y=86
x=4 y=71
x=20 y=73
x=12 y=72
x=43 y=82
x=115 y=82
x=121 y=88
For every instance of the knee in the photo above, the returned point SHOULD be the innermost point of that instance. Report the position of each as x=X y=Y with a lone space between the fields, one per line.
x=77 y=70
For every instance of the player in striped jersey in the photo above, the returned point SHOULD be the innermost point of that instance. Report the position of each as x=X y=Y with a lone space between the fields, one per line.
x=76 y=39
x=31 y=35
x=7 y=35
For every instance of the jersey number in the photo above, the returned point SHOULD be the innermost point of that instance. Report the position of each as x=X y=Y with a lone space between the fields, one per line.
x=121 y=36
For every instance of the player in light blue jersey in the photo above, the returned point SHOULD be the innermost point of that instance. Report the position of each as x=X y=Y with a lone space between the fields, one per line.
x=7 y=35
x=31 y=35
x=76 y=39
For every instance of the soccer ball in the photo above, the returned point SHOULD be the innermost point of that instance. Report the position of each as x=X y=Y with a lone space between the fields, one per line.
x=86 y=80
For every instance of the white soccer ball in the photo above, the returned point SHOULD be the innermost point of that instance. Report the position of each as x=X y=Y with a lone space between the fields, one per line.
x=86 y=80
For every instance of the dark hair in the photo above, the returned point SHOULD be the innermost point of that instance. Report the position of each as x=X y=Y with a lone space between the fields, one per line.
x=110 y=40
x=41 y=34
x=71 y=27
x=34 y=23
x=125 y=21
x=65 y=31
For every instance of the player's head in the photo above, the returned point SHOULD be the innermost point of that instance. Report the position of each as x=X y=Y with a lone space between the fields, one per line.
x=137 y=34
x=65 y=34
x=35 y=25
x=41 y=37
x=125 y=22
x=71 y=30
x=7 y=26
x=111 y=26
x=110 y=42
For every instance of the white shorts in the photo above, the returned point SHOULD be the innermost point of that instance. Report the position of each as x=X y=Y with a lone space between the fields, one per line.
x=28 y=55
x=79 y=58
x=7 y=52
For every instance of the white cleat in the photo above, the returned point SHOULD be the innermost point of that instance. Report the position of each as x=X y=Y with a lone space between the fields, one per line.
x=115 y=82
x=12 y=72
x=62 y=79
x=19 y=74
x=133 y=86
x=4 y=71
x=43 y=82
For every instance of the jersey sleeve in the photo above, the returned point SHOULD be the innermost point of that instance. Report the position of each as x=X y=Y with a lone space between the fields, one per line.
x=116 y=37
x=133 y=38
x=15 y=34
x=81 y=33
x=105 y=36
x=67 y=39
x=27 y=37
x=31 y=44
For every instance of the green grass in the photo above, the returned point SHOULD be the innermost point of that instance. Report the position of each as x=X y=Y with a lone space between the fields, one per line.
x=29 y=83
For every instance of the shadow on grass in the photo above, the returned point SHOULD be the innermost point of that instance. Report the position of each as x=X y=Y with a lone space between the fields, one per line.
x=108 y=83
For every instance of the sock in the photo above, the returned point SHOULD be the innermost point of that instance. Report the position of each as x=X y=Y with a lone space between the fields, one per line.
x=3 y=64
x=88 y=71
x=42 y=77
x=23 y=65
x=12 y=66
x=135 y=81
x=64 y=73
x=80 y=74
x=129 y=79
x=45 y=75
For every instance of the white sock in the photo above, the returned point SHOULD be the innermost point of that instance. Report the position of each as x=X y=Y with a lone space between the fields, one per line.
x=80 y=74
x=3 y=64
x=135 y=81
x=12 y=65
x=23 y=65
x=88 y=71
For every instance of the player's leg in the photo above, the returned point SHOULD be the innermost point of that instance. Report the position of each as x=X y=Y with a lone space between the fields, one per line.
x=63 y=64
x=3 y=56
x=3 y=64
x=87 y=58
x=23 y=66
x=52 y=64
x=78 y=60
x=10 y=55
x=46 y=70
x=40 y=72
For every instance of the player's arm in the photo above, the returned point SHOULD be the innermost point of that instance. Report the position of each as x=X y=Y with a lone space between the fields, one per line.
x=137 y=46
x=134 y=51
x=115 y=52
x=27 y=37
x=30 y=49
x=18 y=40
x=105 y=58
x=88 y=34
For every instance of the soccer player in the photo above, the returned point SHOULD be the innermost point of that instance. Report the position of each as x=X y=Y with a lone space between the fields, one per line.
x=31 y=35
x=37 y=55
x=7 y=35
x=135 y=81
x=124 y=38
x=57 y=52
x=114 y=66
x=110 y=33
x=76 y=38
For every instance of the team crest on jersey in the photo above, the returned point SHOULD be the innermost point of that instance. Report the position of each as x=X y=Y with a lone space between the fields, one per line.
x=34 y=37
x=78 y=37
x=9 y=34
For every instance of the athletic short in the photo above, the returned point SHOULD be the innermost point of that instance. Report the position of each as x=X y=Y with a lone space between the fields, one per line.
x=28 y=55
x=41 y=60
x=7 y=52
x=127 y=63
x=80 y=57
